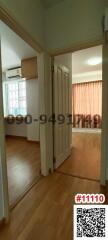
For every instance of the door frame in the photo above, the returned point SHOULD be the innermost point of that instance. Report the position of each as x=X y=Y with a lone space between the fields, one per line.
x=3 y=165
x=104 y=140
x=11 y=22
x=46 y=131
x=45 y=97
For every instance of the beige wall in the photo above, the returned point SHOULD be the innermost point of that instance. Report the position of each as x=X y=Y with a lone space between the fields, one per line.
x=74 y=22
x=29 y=14
x=67 y=23
x=33 y=109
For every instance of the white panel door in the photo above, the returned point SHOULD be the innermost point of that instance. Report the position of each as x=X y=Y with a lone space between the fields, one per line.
x=4 y=203
x=61 y=97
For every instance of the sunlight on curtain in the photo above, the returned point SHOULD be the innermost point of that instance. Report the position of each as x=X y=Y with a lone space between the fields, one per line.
x=87 y=99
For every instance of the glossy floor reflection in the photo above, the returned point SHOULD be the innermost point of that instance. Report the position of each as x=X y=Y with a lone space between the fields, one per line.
x=23 y=165
x=47 y=210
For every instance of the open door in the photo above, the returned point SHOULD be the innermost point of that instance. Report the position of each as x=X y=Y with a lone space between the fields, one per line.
x=104 y=152
x=61 y=102
x=4 y=201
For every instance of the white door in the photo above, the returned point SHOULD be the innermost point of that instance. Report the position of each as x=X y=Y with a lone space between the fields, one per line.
x=61 y=98
x=4 y=207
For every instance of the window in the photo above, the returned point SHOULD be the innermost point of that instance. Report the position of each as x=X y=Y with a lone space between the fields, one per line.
x=15 y=97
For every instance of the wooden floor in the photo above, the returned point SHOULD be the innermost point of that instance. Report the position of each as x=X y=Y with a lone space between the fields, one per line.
x=85 y=158
x=23 y=165
x=46 y=212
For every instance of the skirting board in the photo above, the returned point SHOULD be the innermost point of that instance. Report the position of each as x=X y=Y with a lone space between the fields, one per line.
x=33 y=141
x=21 y=137
x=18 y=137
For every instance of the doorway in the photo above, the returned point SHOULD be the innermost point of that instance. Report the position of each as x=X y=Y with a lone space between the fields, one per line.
x=85 y=68
x=20 y=83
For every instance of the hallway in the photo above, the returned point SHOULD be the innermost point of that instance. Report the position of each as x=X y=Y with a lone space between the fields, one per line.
x=46 y=212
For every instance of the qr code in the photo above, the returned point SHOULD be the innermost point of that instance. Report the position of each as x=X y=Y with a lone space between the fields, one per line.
x=91 y=221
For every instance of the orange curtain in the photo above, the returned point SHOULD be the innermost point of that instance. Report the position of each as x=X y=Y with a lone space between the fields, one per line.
x=87 y=99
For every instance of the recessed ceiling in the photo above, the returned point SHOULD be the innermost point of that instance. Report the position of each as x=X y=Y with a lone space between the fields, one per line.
x=50 y=3
x=81 y=60
x=13 y=48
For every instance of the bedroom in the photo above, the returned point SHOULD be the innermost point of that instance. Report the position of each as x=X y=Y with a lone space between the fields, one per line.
x=85 y=68
x=20 y=83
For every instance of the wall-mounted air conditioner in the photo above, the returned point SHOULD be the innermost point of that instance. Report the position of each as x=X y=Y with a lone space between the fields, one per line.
x=14 y=73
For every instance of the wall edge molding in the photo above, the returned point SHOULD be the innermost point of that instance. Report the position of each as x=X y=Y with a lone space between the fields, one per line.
x=9 y=20
x=77 y=47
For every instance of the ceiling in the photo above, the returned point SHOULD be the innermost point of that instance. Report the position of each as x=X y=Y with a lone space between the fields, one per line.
x=13 y=48
x=78 y=64
x=50 y=3
x=80 y=60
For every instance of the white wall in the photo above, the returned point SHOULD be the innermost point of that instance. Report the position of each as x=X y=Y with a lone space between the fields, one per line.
x=29 y=14
x=16 y=129
x=87 y=77
x=33 y=109
x=73 y=22
x=67 y=61
x=68 y=22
